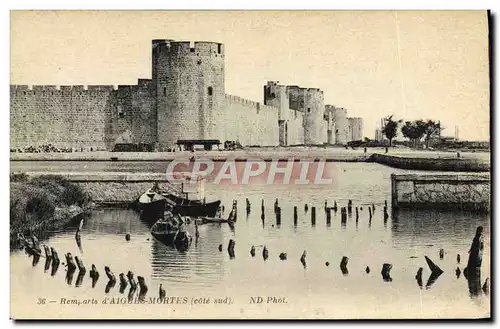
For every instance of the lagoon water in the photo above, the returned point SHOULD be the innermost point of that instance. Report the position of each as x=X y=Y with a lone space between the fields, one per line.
x=314 y=291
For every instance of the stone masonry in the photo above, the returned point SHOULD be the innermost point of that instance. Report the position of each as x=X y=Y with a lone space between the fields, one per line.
x=184 y=99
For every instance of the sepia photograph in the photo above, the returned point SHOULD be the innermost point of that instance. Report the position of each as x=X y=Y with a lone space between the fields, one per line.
x=271 y=164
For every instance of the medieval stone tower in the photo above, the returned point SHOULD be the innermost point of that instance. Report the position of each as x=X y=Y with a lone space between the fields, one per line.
x=188 y=81
x=310 y=101
x=276 y=95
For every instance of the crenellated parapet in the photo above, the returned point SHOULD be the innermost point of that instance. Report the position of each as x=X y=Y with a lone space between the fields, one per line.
x=188 y=48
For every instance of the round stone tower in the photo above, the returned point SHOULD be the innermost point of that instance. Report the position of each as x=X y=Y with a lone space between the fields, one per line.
x=189 y=87
x=315 y=125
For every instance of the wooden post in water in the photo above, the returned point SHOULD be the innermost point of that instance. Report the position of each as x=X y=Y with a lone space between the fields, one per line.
x=131 y=280
x=343 y=215
x=235 y=209
x=349 y=206
x=295 y=215
x=143 y=288
x=328 y=217
x=335 y=206
x=476 y=253
x=386 y=272
x=248 y=206
x=262 y=215
x=343 y=265
x=80 y=265
x=278 y=216
x=230 y=248
x=313 y=216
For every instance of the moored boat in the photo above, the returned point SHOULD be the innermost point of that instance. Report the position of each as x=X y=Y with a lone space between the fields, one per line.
x=190 y=198
x=152 y=204
x=208 y=209
x=171 y=231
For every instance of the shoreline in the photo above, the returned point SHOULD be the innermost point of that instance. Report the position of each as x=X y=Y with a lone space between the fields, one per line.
x=396 y=158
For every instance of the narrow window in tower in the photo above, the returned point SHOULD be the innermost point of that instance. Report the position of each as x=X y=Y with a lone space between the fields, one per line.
x=219 y=48
x=164 y=91
x=308 y=110
x=210 y=91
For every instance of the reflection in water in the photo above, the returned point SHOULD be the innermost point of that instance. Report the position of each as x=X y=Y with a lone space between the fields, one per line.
x=109 y=286
x=418 y=277
x=432 y=279
x=204 y=268
x=432 y=227
x=69 y=276
x=474 y=281
x=131 y=293
x=200 y=260
x=79 y=278
x=486 y=286
x=48 y=262
x=79 y=241
x=94 y=279
x=36 y=258
x=55 y=266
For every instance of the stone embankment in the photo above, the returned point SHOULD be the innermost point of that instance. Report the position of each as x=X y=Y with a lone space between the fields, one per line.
x=441 y=192
x=397 y=158
x=114 y=189
x=432 y=164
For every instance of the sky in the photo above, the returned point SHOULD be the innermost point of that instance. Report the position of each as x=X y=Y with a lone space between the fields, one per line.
x=410 y=64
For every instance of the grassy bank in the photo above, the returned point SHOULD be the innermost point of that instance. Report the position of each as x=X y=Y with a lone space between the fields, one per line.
x=44 y=202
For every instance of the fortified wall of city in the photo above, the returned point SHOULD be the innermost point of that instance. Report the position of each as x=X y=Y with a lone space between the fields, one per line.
x=184 y=99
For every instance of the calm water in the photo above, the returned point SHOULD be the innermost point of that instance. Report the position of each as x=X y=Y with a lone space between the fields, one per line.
x=317 y=291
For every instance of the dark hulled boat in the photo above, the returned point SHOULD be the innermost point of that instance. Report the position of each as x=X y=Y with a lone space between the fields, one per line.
x=195 y=208
x=152 y=204
x=190 y=198
x=171 y=232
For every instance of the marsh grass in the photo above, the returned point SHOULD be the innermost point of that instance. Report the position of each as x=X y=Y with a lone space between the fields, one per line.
x=33 y=203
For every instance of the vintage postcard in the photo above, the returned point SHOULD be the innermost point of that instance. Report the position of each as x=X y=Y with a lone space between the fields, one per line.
x=250 y=165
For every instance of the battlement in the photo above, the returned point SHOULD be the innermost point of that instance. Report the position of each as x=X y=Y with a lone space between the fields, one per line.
x=242 y=101
x=256 y=105
x=184 y=48
x=100 y=88
x=273 y=83
x=34 y=89
x=144 y=82
x=314 y=90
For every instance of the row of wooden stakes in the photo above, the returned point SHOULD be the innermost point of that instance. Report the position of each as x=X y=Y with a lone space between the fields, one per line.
x=344 y=211
x=436 y=271
x=75 y=264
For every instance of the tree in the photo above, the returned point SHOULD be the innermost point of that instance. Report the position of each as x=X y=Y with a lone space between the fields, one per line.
x=431 y=128
x=390 y=129
x=414 y=130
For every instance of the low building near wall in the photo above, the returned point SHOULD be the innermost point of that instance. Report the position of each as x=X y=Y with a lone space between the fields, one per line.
x=441 y=192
